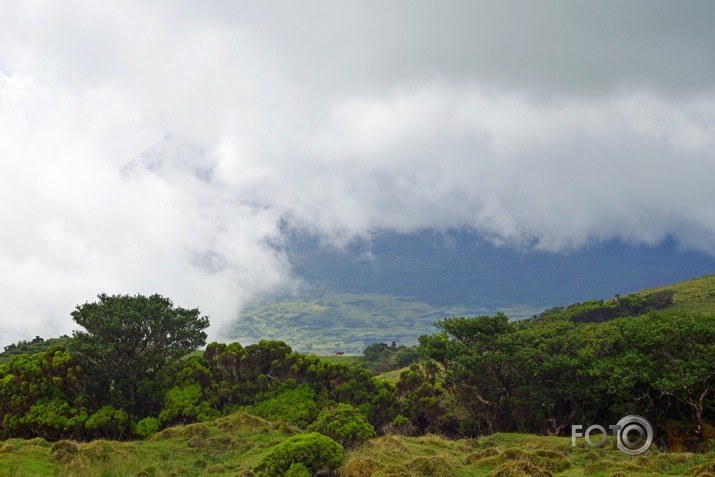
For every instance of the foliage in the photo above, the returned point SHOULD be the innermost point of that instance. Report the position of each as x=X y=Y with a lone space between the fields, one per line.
x=344 y=424
x=131 y=338
x=544 y=375
x=421 y=398
x=315 y=451
x=298 y=470
x=108 y=422
x=381 y=358
x=596 y=311
x=43 y=395
x=33 y=346
x=295 y=405
x=244 y=376
x=483 y=374
x=185 y=404
x=147 y=427
x=51 y=395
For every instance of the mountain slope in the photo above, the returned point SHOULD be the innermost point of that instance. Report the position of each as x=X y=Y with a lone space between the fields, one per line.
x=697 y=294
x=393 y=287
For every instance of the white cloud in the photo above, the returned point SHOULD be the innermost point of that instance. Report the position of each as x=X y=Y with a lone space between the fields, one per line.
x=235 y=119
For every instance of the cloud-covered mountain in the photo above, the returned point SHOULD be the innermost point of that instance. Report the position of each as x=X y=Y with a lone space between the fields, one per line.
x=554 y=127
x=460 y=268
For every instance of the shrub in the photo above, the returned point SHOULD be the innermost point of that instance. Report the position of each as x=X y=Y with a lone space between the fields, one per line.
x=345 y=424
x=313 y=450
x=295 y=406
x=147 y=427
x=186 y=403
x=400 y=426
x=298 y=470
x=108 y=422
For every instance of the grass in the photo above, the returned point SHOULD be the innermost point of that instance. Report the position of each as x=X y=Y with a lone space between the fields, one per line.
x=350 y=360
x=511 y=455
x=228 y=446
x=392 y=376
x=233 y=445
x=692 y=295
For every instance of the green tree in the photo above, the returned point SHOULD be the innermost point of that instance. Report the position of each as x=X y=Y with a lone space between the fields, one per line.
x=673 y=353
x=43 y=395
x=345 y=424
x=420 y=397
x=129 y=339
x=480 y=370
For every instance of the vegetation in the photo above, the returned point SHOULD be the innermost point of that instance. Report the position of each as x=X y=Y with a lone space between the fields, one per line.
x=345 y=424
x=33 y=346
x=380 y=358
x=313 y=451
x=596 y=311
x=127 y=343
x=235 y=445
x=324 y=322
x=543 y=376
x=650 y=354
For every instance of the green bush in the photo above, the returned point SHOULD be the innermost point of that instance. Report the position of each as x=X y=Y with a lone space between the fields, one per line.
x=315 y=451
x=298 y=470
x=108 y=422
x=345 y=424
x=187 y=403
x=296 y=406
x=147 y=427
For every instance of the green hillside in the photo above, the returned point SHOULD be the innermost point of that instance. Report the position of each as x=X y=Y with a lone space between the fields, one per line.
x=233 y=445
x=697 y=294
x=325 y=321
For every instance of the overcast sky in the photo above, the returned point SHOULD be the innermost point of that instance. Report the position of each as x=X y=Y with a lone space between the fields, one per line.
x=163 y=146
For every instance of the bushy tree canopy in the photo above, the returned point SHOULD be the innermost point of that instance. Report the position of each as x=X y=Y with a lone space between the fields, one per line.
x=130 y=338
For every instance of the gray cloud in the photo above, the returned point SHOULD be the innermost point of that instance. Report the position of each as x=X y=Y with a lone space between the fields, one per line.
x=164 y=146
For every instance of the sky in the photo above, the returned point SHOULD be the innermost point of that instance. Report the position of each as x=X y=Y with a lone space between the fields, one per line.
x=167 y=146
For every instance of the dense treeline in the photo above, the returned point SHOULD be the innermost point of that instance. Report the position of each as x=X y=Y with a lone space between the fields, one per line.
x=545 y=375
x=50 y=394
x=128 y=375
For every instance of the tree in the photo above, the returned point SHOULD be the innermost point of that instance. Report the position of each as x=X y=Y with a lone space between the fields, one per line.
x=479 y=369
x=674 y=352
x=129 y=339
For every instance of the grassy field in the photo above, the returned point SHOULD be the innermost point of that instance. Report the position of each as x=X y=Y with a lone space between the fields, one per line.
x=511 y=455
x=231 y=446
x=693 y=295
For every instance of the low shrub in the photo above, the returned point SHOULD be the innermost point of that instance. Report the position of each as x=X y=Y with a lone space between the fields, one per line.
x=345 y=424
x=315 y=451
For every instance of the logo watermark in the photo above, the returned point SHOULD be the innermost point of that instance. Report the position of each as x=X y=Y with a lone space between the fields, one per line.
x=633 y=435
